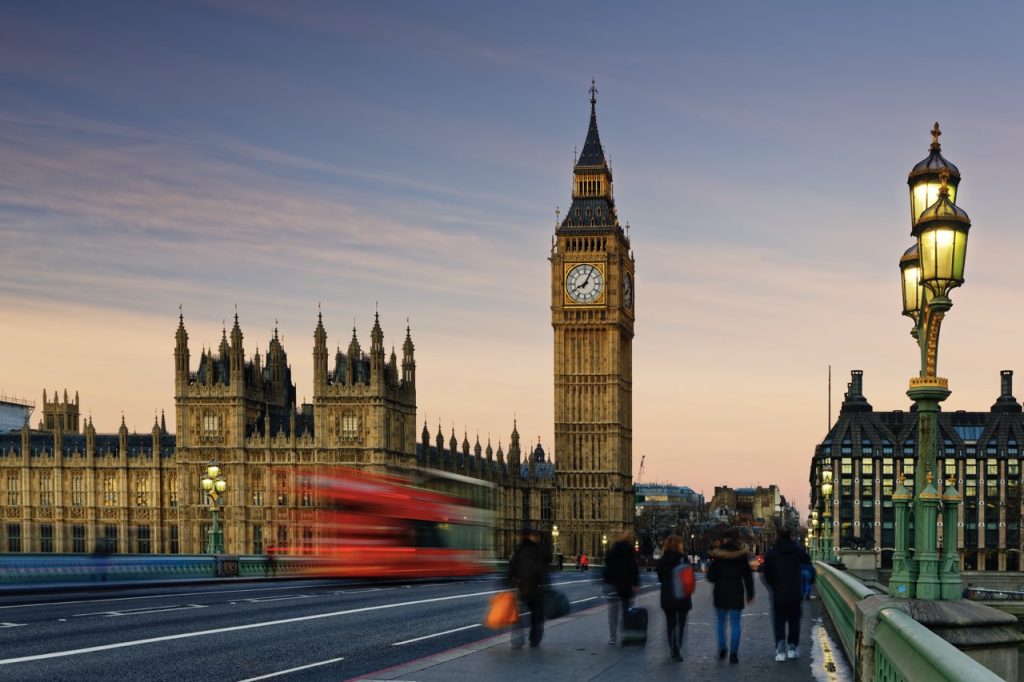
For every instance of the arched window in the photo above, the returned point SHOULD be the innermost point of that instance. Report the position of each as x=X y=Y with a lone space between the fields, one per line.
x=349 y=425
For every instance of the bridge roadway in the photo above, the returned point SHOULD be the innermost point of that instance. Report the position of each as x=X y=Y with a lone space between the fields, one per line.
x=330 y=630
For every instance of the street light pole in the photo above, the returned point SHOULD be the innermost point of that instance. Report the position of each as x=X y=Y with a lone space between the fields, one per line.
x=929 y=270
x=826 y=493
x=214 y=484
x=604 y=546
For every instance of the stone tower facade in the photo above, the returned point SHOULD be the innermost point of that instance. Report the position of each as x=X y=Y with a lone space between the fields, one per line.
x=60 y=415
x=243 y=414
x=592 y=313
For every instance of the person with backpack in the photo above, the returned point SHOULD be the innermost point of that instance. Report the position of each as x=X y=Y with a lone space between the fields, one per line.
x=731 y=575
x=676 y=589
x=783 y=568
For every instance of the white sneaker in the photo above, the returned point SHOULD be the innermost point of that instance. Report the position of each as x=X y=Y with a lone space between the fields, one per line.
x=792 y=653
x=780 y=657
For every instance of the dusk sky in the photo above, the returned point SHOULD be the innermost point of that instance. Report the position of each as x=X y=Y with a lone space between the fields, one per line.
x=409 y=157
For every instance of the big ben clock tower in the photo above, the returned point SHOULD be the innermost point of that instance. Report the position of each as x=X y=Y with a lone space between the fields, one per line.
x=592 y=313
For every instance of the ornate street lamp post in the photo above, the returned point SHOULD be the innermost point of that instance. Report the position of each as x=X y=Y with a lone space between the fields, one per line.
x=812 y=531
x=604 y=546
x=554 y=539
x=929 y=270
x=826 y=494
x=214 y=484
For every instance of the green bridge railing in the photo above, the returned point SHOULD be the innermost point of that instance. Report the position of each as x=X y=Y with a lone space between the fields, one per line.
x=904 y=650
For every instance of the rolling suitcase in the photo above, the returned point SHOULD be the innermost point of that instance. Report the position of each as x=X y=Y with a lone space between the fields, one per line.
x=634 y=626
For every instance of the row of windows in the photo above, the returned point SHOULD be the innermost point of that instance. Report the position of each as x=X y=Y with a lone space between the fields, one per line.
x=140 y=539
x=948 y=448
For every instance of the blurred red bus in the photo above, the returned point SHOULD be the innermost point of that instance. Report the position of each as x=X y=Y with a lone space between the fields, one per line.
x=354 y=524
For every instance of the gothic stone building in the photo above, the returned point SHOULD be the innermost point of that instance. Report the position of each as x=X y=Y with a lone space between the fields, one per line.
x=72 y=492
x=869 y=452
x=66 y=490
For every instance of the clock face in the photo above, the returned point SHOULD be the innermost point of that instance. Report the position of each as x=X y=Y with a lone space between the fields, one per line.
x=584 y=283
x=627 y=291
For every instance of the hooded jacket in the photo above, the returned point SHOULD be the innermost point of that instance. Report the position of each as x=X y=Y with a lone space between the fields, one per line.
x=782 y=570
x=730 y=573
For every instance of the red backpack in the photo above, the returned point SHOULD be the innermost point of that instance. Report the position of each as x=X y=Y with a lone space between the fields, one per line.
x=684 y=582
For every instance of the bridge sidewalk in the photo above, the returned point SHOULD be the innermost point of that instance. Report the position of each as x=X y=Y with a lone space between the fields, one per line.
x=576 y=648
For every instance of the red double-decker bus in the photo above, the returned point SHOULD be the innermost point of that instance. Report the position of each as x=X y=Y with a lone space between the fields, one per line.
x=354 y=524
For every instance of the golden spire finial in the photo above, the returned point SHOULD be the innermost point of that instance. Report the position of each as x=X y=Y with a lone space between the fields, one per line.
x=930 y=477
x=935 y=137
x=593 y=91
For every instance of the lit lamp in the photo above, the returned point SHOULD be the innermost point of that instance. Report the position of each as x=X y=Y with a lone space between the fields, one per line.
x=604 y=545
x=214 y=484
x=826 y=494
x=812 y=528
x=554 y=538
x=924 y=178
x=929 y=270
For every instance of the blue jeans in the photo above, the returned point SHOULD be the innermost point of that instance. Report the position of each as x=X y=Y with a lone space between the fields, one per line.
x=734 y=629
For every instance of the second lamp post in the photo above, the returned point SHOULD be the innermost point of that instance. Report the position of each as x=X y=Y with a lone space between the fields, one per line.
x=214 y=484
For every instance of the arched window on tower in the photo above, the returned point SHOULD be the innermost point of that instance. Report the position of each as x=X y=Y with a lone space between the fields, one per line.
x=349 y=426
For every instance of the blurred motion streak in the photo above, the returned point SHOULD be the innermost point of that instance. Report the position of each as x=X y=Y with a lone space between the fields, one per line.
x=355 y=524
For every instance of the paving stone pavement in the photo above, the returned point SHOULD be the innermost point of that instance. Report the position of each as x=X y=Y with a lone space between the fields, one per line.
x=575 y=648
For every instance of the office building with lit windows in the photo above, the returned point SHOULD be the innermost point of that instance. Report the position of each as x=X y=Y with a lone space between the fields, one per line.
x=869 y=452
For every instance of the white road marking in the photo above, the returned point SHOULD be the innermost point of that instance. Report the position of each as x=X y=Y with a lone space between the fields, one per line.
x=437 y=634
x=153 y=596
x=139 y=611
x=580 y=601
x=256 y=600
x=291 y=670
x=235 y=628
x=12 y=625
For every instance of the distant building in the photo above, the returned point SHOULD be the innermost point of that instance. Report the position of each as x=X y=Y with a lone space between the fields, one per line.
x=868 y=452
x=651 y=496
x=755 y=511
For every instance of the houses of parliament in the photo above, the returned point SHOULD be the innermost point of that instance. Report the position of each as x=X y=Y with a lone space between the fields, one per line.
x=65 y=488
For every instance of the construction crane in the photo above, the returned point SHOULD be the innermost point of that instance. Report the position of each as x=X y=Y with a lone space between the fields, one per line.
x=640 y=474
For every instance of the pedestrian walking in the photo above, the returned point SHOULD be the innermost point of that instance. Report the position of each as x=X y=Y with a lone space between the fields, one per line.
x=730 y=573
x=622 y=581
x=783 y=568
x=675 y=609
x=584 y=562
x=528 y=575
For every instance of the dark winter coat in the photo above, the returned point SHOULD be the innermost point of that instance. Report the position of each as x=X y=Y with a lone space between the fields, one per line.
x=668 y=561
x=621 y=569
x=528 y=570
x=782 y=570
x=730 y=573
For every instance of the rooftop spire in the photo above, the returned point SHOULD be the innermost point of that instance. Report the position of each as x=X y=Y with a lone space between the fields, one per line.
x=593 y=153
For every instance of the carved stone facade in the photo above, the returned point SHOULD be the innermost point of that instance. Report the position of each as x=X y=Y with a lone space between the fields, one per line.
x=592 y=313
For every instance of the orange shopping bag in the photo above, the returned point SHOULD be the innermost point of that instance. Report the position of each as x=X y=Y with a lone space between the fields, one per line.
x=503 y=611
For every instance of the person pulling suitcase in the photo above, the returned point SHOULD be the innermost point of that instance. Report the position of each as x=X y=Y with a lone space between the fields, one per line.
x=622 y=579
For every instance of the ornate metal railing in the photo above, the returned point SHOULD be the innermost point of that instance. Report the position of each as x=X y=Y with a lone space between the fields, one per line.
x=904 y=650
